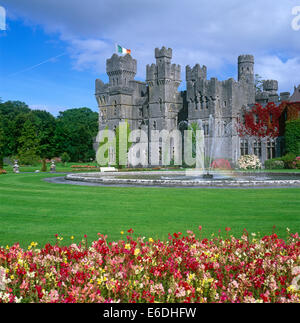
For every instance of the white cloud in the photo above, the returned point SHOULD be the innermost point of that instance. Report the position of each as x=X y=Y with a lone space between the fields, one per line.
x=212 y=32
x=287 y=73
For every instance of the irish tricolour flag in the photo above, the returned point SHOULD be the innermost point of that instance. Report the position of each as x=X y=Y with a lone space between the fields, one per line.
x=122 y=50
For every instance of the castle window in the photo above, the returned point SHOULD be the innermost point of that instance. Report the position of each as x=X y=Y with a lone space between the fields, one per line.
x=160 y=105
x=140 y=112
x=154 y=125
x=115 y=108
x=270 y=149
x=244 y=147
x=225 y=103
x=257 y=148
x=206 y=129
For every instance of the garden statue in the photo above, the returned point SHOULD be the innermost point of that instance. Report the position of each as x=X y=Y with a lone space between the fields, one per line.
x=16 y=167
x=52 y=167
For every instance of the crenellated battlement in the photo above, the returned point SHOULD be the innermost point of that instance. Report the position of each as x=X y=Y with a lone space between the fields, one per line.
x=163 y=52
x=121 y=63
x=195 y=73
x=270 y=85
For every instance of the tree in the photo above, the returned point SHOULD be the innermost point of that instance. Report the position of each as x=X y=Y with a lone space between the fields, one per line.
x=259 y=83
x=2 y=141
x=75 y=133
x=45 y=127
x=28 y=141
x=13 y=116
x=65 y=158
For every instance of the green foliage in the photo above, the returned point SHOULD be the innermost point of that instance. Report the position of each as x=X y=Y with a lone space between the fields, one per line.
x=28 y=157
x=2 y=142
x=275 y=163
x=28 y=144
x=65 y=157
x=75 y=133
x=292 y=137
x=289 y=160
x=72 y=132
x=259 y=82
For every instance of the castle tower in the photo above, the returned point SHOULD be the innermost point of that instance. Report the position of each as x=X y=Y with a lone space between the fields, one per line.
x=246 y=76
x=121 y=70
x=163 y=79
x=246 y=68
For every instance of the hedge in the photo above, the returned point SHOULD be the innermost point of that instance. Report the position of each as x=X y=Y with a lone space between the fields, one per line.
x=292 y=137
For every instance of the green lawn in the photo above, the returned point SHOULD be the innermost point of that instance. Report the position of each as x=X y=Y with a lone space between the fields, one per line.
x=34 y=210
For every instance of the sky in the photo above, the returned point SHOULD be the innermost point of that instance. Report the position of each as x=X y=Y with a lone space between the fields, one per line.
x=53 y=50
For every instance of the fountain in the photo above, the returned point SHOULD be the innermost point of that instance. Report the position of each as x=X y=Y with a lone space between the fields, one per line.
x=214 y=141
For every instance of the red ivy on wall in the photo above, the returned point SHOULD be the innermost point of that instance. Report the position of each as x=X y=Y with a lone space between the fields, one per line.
x=261 y=121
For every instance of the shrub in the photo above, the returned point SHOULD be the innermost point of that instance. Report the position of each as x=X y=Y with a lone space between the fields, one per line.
x=248 y=162
x=289 y=161
x=292 y=137
x=275 y=163
x=2 y=171
x=65 y=157
x=28 y=158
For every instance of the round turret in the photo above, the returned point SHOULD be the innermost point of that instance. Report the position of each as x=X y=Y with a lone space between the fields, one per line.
x=246 y=68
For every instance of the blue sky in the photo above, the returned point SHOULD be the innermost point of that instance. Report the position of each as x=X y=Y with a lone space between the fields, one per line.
x=82 y=37
x=53 y=85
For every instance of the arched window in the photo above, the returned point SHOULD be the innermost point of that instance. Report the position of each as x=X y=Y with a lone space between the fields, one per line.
x=270 y=148
x=244 y=147
x=257 y=148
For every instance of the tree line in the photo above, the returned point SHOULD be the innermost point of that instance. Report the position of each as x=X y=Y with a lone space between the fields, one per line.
x=33 y=135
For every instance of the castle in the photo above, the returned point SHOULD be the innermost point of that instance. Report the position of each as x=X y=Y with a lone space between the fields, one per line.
x=157 y=104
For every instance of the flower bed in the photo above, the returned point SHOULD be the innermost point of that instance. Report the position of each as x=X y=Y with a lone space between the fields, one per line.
x=182 y=269
x=3 y=171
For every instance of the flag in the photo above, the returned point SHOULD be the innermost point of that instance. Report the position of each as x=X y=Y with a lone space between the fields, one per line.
x=122 y=50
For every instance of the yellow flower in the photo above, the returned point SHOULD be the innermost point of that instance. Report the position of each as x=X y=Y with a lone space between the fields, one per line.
x=127 y=246
x=136 y=252
x=122 y=232
x=72 y=237
x=12 y=277
x=151 y=240
x=7 y=247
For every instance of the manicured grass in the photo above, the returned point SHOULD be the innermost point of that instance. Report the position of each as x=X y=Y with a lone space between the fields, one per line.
x=34 y=210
